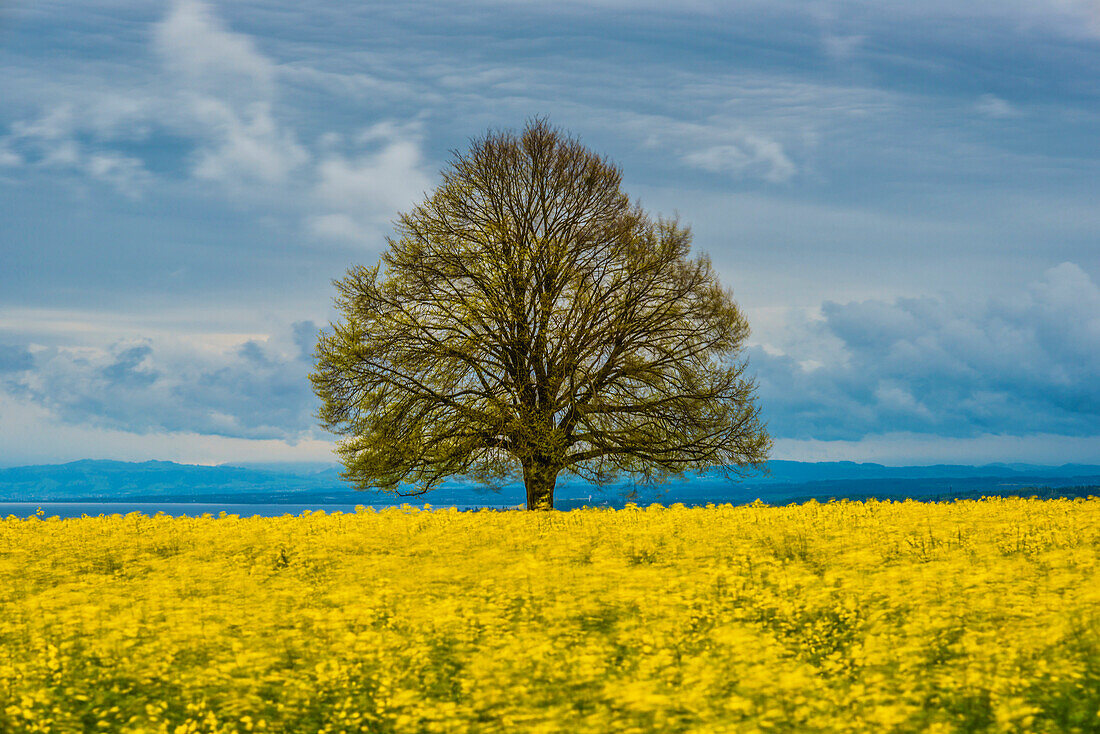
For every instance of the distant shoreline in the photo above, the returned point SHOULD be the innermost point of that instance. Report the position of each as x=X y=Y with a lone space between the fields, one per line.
x=68 y=508
x=74 y=510
x=165 y=483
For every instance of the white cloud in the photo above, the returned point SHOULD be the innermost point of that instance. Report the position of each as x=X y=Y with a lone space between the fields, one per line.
x=1015 y=364
x=363 y=190
x=750 y=156
x=54 y=141
x=385 y=180
x=339 y=227
x=1075 y=18
x=125 y=173
x=227 y=89
x=61 y=154
x=30 y=434
x=904 y=448
x=991 y=105
x=842 y=47
x=730 y=140
x=217 y=90
x=257 y=388
x=207 y=57
x=214 y=88
x=57 y=124
x=245 y=149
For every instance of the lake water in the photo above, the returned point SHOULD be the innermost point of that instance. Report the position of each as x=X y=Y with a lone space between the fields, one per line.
x=182 y=509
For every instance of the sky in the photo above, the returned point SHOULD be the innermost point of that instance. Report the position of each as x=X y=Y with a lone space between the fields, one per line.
x=901 y=195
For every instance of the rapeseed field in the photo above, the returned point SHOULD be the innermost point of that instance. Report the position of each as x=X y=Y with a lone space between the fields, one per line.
x=839 y=617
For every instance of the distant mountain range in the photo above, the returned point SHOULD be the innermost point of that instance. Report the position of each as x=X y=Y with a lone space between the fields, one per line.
x=319 y=483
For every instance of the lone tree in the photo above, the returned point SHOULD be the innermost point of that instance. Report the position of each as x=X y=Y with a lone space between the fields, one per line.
x=529 y=317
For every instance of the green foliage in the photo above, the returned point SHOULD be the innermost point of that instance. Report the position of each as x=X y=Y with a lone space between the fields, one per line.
x=529 y=317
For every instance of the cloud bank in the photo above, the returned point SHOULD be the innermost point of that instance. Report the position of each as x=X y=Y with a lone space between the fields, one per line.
x=257 y=389
x=1024 y=363
x=213 y=106
x=1021 y=363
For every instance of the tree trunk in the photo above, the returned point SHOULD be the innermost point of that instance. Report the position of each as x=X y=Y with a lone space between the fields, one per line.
x=540 y=477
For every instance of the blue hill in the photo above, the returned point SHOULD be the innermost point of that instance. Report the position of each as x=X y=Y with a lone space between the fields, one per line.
x=164 y=481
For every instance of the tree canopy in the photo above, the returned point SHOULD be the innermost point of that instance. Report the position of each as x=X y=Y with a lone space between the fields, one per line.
x=529 y=317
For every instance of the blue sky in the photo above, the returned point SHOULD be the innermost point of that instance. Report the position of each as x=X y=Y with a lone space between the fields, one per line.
x=901 y=195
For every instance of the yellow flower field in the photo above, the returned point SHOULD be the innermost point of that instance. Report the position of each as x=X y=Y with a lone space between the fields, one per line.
x=868 y=617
